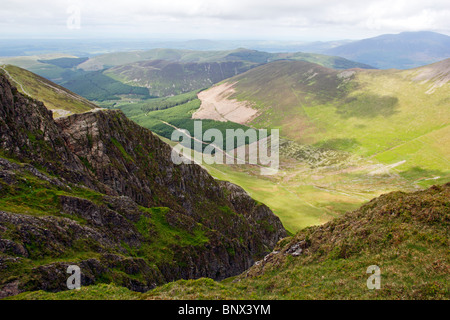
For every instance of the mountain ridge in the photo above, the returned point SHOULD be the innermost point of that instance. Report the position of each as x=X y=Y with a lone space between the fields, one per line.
x=54 y=96
x=165 y=78
x=368 y=111
x=106 y=195
x=401 y=51
x=240 y=54
x=403 y=235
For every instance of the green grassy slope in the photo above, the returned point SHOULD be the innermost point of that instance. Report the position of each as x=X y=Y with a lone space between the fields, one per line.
x=301 y=196
x=55 y=97
x=96 y=86
x=55 y=208
x=353 y=130
x=120 y=58
x=405 y=235
x=98 y=292
x=388 y=115
x=353 y=142
x=167 y=72
x=328 y=61
x=303 y=193
x=33 y=196
x=167 y=78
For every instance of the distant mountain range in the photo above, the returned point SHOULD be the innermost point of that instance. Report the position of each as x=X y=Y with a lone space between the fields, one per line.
x=12 y=48
x=401 y=51
x=181 y=71
x=109 y=60
x=158 y=72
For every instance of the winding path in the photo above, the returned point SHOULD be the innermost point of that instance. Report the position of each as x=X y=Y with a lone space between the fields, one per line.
x=11 y=77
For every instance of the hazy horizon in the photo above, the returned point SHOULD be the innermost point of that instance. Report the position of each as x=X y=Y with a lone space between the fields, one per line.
x=249 y=20
x=172 y=38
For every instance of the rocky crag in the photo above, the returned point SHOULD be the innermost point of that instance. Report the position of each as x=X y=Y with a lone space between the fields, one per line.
x=98 y=191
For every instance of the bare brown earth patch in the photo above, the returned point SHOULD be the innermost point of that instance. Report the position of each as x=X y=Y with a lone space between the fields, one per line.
x=216 y=105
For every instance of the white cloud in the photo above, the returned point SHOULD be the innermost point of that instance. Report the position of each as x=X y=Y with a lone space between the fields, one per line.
x=289 y=19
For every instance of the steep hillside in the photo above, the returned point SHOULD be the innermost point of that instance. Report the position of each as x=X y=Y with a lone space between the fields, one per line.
x=58 y=99
x=98 y=87
x=333 y=62
x=165 y=78
x=101 y=192
x=109 y=60
x=401 y=51
x=400 y=118
x=405 y=234
x=346 y=137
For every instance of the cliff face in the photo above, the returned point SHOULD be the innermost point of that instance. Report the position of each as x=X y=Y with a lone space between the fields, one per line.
x=99 y=191
x=28 y=132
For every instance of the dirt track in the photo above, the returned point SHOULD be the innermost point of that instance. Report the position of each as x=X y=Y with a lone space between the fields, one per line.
x=216 y=106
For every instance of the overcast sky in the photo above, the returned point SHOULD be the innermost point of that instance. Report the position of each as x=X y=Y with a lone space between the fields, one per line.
x=221 y=19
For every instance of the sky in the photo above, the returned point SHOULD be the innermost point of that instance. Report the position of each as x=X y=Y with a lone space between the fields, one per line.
x=287 y=20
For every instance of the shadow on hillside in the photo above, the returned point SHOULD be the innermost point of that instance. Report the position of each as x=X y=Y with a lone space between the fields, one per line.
x=368 y=106
x=418 y=173
x=340 y=144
